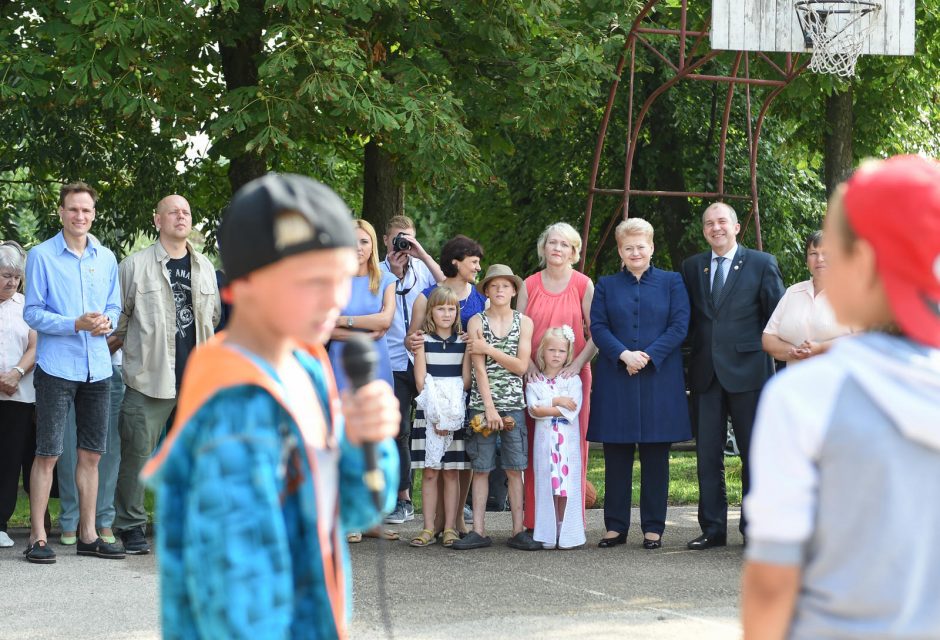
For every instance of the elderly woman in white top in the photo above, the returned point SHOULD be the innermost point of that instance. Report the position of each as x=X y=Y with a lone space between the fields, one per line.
x=803 y=325
x=17 y=398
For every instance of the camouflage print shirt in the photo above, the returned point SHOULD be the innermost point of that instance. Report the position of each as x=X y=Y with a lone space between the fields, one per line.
x=505 y=386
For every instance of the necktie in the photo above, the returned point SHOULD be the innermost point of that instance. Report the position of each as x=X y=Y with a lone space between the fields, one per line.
x=719 y=283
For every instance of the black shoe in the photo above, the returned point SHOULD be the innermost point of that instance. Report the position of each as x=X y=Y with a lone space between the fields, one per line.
x=706 y=541
x=100 y=549
x=524 y=542
x=135 y=542
x=473 y=540
x=39 y=553
x=606 y=543
x=653 y=544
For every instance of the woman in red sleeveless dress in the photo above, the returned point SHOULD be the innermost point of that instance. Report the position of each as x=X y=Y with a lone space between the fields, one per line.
x=555 y=296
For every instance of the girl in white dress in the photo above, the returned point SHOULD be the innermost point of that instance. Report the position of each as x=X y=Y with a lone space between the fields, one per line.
x=554 y=401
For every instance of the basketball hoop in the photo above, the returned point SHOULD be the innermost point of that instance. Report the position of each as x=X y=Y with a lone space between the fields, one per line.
x=837 y=31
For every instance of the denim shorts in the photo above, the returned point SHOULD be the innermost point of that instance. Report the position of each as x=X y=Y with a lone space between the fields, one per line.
x=513 y=446
x=54 y=397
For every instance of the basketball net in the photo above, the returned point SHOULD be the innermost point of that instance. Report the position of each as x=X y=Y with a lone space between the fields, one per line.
x=837 y=30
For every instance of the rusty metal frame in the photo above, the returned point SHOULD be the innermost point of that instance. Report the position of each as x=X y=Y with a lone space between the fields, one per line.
x=686 y=68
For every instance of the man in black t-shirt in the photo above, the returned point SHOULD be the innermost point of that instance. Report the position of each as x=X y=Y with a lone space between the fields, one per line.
x=171 y=304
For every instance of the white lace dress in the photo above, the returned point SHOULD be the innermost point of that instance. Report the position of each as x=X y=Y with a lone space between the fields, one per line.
x=442 y=401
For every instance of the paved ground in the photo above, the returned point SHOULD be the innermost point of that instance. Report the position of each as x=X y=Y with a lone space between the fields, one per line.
x=431 y=593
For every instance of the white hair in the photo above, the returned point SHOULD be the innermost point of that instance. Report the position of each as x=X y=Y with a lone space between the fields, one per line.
x=12 y=256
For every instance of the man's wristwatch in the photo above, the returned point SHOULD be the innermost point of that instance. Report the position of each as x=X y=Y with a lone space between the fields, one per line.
x=349 y=322
x=20 y=371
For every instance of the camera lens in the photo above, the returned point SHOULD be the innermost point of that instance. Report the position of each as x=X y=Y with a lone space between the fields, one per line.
x=399 y=243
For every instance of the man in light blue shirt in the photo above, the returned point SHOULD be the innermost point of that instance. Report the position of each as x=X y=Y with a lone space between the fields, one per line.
x=73 y=301
x=416 y=270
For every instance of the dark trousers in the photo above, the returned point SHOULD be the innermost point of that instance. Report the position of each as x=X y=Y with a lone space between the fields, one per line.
x=17 y=441
x=406 y=392
x=712 y=408
x=618 y=482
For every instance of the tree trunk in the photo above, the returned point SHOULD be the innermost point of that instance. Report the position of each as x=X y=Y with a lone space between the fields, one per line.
x=837 y=142
x=383 y=194
x=675 y=213
x=239 y=50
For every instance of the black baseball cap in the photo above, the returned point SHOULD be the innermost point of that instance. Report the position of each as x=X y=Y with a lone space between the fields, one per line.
x=280 y=215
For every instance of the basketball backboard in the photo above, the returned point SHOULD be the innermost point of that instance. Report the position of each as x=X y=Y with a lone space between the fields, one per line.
x=773 y=25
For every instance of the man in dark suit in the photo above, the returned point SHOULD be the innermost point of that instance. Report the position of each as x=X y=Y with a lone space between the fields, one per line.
x=733 y=291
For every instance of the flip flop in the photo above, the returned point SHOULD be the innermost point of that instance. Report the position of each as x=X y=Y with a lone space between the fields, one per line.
x=354 y=537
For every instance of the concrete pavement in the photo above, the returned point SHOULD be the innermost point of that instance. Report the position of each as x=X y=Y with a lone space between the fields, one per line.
x=483 y=594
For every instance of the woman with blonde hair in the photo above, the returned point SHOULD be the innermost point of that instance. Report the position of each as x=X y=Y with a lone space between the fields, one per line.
x=555 y=296
x=370 y=309
x=639 y=319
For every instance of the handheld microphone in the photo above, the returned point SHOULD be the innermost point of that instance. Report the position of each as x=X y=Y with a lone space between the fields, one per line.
x=360 y=360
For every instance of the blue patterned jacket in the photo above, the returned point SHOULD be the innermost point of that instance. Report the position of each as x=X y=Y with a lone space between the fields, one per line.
x=239 y=551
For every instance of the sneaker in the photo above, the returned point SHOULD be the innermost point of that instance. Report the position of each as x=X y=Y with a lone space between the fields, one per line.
x=467 y=514
x=135 y=542
x=100 y=549
x=524 y=542
x=409 y=511
x=5 y=540
x=39 y=553
x=472 y=540
x=68 y=538
x=398 y=516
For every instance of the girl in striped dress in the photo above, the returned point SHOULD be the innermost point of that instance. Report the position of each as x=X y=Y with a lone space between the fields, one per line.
x=442 y=376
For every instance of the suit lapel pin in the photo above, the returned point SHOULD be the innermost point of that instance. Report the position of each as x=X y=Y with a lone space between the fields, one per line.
x=736 y=267
x=706 y=269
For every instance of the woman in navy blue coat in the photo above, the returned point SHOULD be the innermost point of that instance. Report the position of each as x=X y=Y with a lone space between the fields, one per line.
x=639 y=318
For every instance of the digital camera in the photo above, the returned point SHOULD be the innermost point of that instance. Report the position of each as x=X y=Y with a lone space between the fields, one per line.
x=400 y=243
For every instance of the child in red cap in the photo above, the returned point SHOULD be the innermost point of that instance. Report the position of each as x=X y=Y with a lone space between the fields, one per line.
x=845 y=497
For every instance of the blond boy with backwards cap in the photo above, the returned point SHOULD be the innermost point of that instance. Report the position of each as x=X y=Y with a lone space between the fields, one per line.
x=500 y=340
x=845 y=500
x=262 y=474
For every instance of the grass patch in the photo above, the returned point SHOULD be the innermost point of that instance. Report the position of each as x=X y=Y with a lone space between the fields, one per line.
x=683 y=485
x=683 y=482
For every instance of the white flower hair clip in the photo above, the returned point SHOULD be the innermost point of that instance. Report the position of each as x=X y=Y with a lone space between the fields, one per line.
x=568 y=333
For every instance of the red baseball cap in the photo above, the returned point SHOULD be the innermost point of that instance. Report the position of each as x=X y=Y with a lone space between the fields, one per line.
x=895 y=206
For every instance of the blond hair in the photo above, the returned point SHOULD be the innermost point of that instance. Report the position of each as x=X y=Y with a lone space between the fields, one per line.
x=375 y=274
x=438 y=298
x=553 y=333
x=634 y=227
x=567 y=232
x=399 y=222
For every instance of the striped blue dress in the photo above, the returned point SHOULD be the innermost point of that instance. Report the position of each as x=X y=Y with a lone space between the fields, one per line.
x=444 y=360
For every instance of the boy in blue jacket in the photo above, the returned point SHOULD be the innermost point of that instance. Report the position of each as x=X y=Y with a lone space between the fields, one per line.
x=262 y=473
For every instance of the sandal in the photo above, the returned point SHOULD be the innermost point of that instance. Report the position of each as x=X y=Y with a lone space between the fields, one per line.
x=354 y=537
x=424 y=539
x=385 y=534
x=449 y=537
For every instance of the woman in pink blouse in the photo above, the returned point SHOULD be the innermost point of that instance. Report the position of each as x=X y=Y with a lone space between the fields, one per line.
x=803 y=324
x=555 y=296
